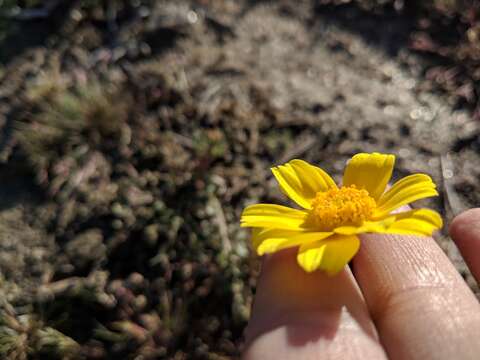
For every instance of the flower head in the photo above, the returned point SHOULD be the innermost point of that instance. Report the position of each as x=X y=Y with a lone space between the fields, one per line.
x=325 y=230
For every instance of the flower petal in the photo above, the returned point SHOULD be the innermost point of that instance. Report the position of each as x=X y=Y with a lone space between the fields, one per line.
x=367 y=227
x=273 y=216
x=405 y=183
x=405 y=191
x=370 y=172
x=330 y=255
x=300 y=181
x=416 y=222
x=270 y=240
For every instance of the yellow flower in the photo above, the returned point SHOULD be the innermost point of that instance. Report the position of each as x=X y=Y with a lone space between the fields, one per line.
x=326 y=229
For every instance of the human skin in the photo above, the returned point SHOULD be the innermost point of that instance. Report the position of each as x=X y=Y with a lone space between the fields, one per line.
x=401 y=299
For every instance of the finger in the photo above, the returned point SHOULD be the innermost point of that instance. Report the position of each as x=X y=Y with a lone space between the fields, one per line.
x=465 y=231
x=300 y=315
x=420 y=304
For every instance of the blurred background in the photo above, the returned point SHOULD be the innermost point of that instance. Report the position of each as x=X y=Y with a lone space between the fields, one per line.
x=134 y=132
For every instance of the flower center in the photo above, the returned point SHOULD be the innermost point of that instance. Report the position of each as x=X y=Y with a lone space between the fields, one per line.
x=338 y=207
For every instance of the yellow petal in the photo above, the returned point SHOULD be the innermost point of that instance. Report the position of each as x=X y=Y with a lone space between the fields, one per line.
x=367 y=227
x=273 y=216
x=300 y=181
x=416 y=222
x=413 y=222
x=370 y=172
x=271 y=240
x=405 y=191
x=330 y=255
x=404 y=183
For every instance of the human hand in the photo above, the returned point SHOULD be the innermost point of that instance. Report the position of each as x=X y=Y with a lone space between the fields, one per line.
x=401 y=299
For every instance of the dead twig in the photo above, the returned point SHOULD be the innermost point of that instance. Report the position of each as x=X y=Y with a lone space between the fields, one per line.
x=222 y=224
x=452 y=200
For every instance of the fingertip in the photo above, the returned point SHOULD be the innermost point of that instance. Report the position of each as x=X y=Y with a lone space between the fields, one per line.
x=465 y=232
x=300 y=315
x=466 y=225
x=414 y=292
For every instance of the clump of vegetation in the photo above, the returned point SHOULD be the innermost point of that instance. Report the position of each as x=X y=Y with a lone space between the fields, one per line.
x=79 y=121
x=23 y=336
